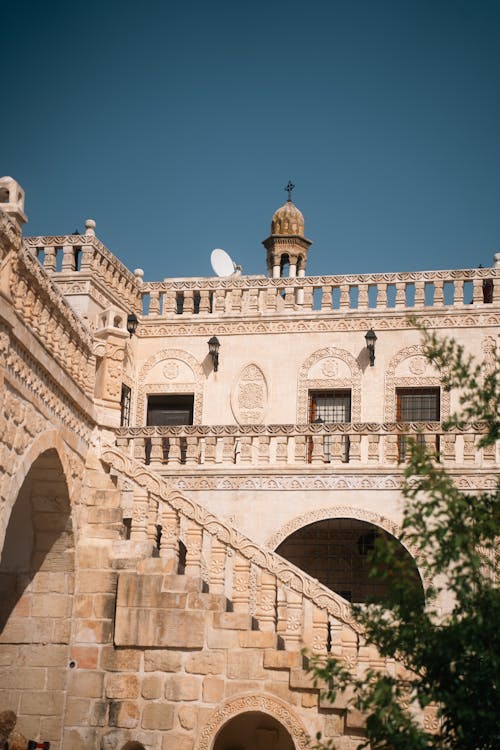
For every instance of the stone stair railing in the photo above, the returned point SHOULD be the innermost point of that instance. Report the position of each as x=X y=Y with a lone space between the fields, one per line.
x=49 y=316
x=260 y=295
x=166 y=449
x=257 y=581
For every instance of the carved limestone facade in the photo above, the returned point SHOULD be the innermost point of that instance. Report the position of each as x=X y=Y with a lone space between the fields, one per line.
x=150 y=504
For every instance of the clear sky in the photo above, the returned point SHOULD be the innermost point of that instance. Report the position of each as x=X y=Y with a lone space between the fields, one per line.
x=176 y=126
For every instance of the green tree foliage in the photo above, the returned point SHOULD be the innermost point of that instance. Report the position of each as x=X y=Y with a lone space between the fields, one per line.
x=450 y=660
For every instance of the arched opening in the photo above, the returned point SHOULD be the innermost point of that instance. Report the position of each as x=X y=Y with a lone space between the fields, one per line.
x=253 y=730
x=133 y=746
x=285 y=265
x=336 y=551
x=36 y=585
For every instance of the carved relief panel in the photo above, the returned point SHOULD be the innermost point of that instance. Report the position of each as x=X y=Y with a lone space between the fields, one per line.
x=250 y=396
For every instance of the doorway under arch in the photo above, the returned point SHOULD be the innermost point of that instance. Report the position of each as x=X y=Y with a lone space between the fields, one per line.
x=253 y=730
x=36 y=591
x=336 y=551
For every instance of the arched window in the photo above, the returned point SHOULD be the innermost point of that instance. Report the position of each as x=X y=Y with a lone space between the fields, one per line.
x=336 y=552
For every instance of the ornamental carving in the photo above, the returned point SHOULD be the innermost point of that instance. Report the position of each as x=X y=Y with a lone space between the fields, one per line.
x=348 y=375
x=249 y=397
x=311 y=482
x=229 y=536
x=330 y=322
x=395 y=377
x=262 y=703
x=188 y=371
x=171 y=370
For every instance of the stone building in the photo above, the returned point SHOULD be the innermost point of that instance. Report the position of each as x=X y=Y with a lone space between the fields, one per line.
x=176 y=525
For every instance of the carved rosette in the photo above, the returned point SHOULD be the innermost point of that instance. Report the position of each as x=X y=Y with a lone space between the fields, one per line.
x=250 y=396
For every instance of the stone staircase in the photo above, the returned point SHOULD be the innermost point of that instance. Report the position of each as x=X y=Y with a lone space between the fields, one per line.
x=166 y=647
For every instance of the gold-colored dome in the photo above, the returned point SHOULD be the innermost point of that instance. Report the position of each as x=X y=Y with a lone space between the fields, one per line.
x=288 y=220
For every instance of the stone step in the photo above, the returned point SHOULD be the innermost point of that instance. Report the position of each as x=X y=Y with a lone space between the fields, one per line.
x=232 y=621
x=282 y=659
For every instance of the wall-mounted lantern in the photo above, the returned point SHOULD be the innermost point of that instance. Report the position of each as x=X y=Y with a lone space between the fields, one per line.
x=132 y=323
x=213 y=350
x=370 y=338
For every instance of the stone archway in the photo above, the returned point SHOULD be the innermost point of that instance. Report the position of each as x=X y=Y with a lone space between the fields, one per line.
x=36 y=585
x=253 y=730
x=253 y=711
x=336 y=551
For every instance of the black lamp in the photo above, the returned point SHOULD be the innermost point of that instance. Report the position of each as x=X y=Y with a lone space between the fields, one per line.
x=132 y=323
x=370 y=338
x=213 y=350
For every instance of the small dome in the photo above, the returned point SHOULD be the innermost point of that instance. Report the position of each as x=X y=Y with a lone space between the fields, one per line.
x=288 y=220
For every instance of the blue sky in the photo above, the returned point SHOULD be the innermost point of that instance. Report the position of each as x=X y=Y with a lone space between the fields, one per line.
x=176 y=126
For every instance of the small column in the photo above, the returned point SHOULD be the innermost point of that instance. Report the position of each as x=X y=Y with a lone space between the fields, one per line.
x=319 y=630
x=194 y=538
x=68 y=261
x=294 y=621
x=266 y=605
x=241 y=583
x=217 y=568
x=49 y=260
x=169 y=543
x=139 y=530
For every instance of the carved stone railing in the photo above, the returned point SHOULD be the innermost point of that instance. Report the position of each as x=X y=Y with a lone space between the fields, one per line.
x=48 y=315
x=185 y=447
x=258 y=582
x=73 y=256
x=259 y=295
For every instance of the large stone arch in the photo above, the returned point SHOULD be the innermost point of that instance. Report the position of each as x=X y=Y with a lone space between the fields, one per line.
x=48 y=440
x=173 y=381
x=37 y=564
x=347 y=512
x=262 y=703
x=340 y=370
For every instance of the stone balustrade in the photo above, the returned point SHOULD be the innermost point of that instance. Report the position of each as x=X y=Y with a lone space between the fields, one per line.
x=258 y=582
x=74 y=256
x=49 y=316
x=259 y=295
x=167 y=449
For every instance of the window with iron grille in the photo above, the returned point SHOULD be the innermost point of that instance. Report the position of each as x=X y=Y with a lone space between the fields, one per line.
x=328 y=407
x=126 y=398
x=417 y=405
x=336 y=551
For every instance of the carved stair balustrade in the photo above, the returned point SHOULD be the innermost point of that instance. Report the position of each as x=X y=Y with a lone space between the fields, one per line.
x=259 y=583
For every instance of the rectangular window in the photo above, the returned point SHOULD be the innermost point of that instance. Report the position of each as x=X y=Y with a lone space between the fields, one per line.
x=125 y=406
x=168 y=410
x=417 y=405
x=328 y=407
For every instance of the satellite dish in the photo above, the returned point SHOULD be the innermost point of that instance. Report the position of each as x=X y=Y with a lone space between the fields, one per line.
x=222 y=263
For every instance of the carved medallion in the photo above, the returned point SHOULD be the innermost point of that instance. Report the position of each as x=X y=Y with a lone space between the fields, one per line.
x=171 y=369
x=250 y=396
x=330 y=368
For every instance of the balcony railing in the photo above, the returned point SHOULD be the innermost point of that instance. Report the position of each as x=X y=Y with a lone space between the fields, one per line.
x=259 y=295
x=251 y=447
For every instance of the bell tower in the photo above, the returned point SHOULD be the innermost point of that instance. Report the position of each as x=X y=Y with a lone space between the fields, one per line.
x=287 y=246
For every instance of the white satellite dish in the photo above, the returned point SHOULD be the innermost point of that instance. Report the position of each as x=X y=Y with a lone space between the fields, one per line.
x=222 y=263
